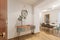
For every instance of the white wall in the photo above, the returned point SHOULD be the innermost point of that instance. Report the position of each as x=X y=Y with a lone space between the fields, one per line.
x=14 y=10
x=36 y=20
x=59 y=17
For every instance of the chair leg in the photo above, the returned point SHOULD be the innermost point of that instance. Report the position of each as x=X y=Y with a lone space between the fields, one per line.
x=58 y=32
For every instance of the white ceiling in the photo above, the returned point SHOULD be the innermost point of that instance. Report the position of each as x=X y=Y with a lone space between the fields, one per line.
x=32 y=2
x=36 y=2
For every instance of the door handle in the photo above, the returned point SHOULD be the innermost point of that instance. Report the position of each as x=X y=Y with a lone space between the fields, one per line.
x=2 y=34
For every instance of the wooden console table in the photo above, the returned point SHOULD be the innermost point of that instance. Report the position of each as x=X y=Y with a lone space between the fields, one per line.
x=25 y=28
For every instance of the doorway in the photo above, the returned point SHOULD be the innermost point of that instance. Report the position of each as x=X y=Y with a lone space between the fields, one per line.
x=47 y=17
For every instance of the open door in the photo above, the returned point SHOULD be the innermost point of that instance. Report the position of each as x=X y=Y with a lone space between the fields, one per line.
x=3 y=18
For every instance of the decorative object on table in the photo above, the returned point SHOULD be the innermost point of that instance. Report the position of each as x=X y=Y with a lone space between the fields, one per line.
x=20 y=18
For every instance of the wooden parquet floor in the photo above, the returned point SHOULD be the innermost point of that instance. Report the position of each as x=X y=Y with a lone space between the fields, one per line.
x=39 y=36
